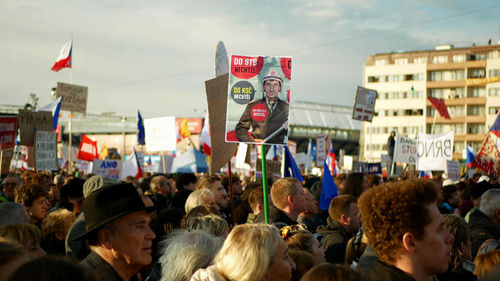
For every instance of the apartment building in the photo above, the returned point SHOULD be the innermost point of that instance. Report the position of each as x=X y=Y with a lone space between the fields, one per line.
x=468 y=79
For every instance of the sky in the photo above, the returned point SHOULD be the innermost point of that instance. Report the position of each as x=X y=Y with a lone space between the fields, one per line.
x=154 y=56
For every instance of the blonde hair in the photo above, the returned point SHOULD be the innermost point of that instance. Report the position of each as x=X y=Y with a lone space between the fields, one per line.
x=58 y=221
x=247 y=252
x=486 y=263
x=209 y=223
x=22 y=233
x=282 y=188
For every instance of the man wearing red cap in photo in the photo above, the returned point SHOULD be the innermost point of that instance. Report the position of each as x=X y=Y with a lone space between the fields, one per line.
x=118 y=232
x=266 y=116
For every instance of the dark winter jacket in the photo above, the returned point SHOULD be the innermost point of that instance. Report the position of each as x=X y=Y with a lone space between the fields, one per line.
x=334 y=240
x=482 y=229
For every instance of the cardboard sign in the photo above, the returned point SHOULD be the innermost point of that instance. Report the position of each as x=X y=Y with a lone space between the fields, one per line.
x=6 y=156
x=433 y=151
x=160 y=134
x=222 y=152
x=453 y=170
x=74 y=97
x=8 y=130
x=364 y=104
x=488 y=157
x=258 y=97
x=320 y=150
x=29 y=120
x=46 y=151
x=405 y=150
x=273 y=167
x=107 y=168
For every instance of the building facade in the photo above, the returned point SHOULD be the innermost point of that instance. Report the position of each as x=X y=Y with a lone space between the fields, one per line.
x=468 y=79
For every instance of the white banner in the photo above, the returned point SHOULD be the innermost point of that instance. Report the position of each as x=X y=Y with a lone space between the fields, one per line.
x=405 y=150
x=453 y=170
x=107 y=168
x=160 y=134
x=433 y=151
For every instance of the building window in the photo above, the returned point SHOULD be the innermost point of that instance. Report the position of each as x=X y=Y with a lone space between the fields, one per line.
x=459 y=128
x=475 y=110
x=456 y=93
x=457 y=74
x=494 y=73
x=493 y=110
x=475 y=92
x=456 y=110
x=494 y=55
x=373 y=79
x=458 y=58
x=420 y=60
x=401 y=61
x=477 y=73
x=475 y=129
x=436 y=93
x=435 y=75
x=458 y=146
x=495 y=92
x=380 y=62
x=440 y=59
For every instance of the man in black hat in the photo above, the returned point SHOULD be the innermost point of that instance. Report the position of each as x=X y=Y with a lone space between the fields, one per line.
x=118 y=232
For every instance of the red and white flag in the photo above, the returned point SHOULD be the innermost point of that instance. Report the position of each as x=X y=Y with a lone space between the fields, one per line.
x=87 y=150
x=131 y=167
x=206 y=143
x=64 y=58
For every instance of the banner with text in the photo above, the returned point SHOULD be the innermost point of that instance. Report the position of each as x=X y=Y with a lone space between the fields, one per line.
x=364 y=104
x=107 y=168
x=405 y=150
x=29 y=120
x=488 y=157
x=160 y=134
x=453 y=169
x=46 y=151
x=8 y=130
x=74 y=97
x=433 y=151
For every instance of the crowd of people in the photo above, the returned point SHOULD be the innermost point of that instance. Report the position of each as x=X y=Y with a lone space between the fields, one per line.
x=187 y=227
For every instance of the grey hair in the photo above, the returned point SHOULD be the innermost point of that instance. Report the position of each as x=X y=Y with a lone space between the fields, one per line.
x=209 y=223
x=490 y=201
x=185 y=252
x=197 y=198
x=11 y=213
x=58 y=179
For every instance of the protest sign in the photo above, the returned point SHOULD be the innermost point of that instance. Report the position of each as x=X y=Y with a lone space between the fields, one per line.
x=29 y=120
x=222 y=152
x=292 y=146
x=258 y=99
x=453 y=169
x=320 y=150
x=160 y=134
x=74 y=97
x=6 y=157
x=488 y=157
x=241 y=156
x=405 y=150
x=273 y=167
x=107 y=168
x=194 y=125
x=433 y=151
x=365 y=167
x=364 y=104
x=8 y=129
x=45 y=151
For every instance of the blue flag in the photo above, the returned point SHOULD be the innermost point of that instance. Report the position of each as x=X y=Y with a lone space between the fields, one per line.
x=141 y=134
x=328 y=190
x=291 y=165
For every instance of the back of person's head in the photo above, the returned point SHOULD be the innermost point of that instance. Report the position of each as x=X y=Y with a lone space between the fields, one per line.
x=490 y=202
x=297 y=237
x=156 y=182
x=184 y=179
x=51 y=268
x=209 y=223
x=340 y=205
x=448 y=191
x=332 y=272
x=374 y=179
x=206 y=182
x=197 y=198
x=13 y=213
x=478 y=189
x=255 y=197
x=354 y=184
x=237 y=260
x=390 y=210
x=282 y=188
x=184 y=252
x=59 y=179
x=316 y=190
x=12 y=255
x=303 y=262
x=25 y=234
x=461 y=231
x=486 y=263
x=26 y=194
x=58 y=223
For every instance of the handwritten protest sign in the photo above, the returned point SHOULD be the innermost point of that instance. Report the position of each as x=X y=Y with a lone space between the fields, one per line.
x=29 y=120
x=160 y=134
x=45 y=151
x=8 y=129
x=364 y=104
x=107 y=168
x=257 y=99
x=74 y=97
x=433 y=151
x=453 y=170
x=405 y=150
x=488 y=157
x=320 y=150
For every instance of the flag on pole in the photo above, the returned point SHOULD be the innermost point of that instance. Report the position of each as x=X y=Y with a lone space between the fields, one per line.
x=206 y=143
x=471 y=154
x=291 y=168
x=440 y=107
x=104 y=152
x=87 y=150
x=311 y=150
x=141 y=133
x=131 y=167
x=185 y=129
x=328 y=189
x=64 y=58
x=272 y=154
x=487 y=158
x=53 y=107
x=495 y=128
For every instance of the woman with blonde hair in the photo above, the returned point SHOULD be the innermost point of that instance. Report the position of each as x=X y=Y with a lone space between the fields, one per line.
x=251 y=252
x=27 y=235
x=298 y=238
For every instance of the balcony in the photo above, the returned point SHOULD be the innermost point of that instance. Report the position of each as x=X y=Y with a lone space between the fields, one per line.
x=446 y=84
x=456 y=119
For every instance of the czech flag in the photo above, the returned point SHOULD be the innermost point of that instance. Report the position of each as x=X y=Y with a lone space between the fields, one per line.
x=206 y=143
x=495 y=128
x=471 y=155
x=64 y=58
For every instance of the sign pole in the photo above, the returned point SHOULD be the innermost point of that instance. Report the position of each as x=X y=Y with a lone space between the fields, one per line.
x=433 y=122
x=231 y=196
x=1 y=161
x=264 y=183
x=163 y=162
x=70 y=166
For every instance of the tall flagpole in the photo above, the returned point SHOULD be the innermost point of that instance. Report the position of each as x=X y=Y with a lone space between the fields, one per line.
x=70 y=168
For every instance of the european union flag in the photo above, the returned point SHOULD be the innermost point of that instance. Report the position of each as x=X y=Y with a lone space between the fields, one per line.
x=141 y=134
x=291 y=165
x=328 y=190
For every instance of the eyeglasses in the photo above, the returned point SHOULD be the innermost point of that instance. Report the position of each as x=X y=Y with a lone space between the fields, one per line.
x=10 y=184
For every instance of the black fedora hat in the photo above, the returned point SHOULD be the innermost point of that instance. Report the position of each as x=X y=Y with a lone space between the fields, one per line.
x=109 y=203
